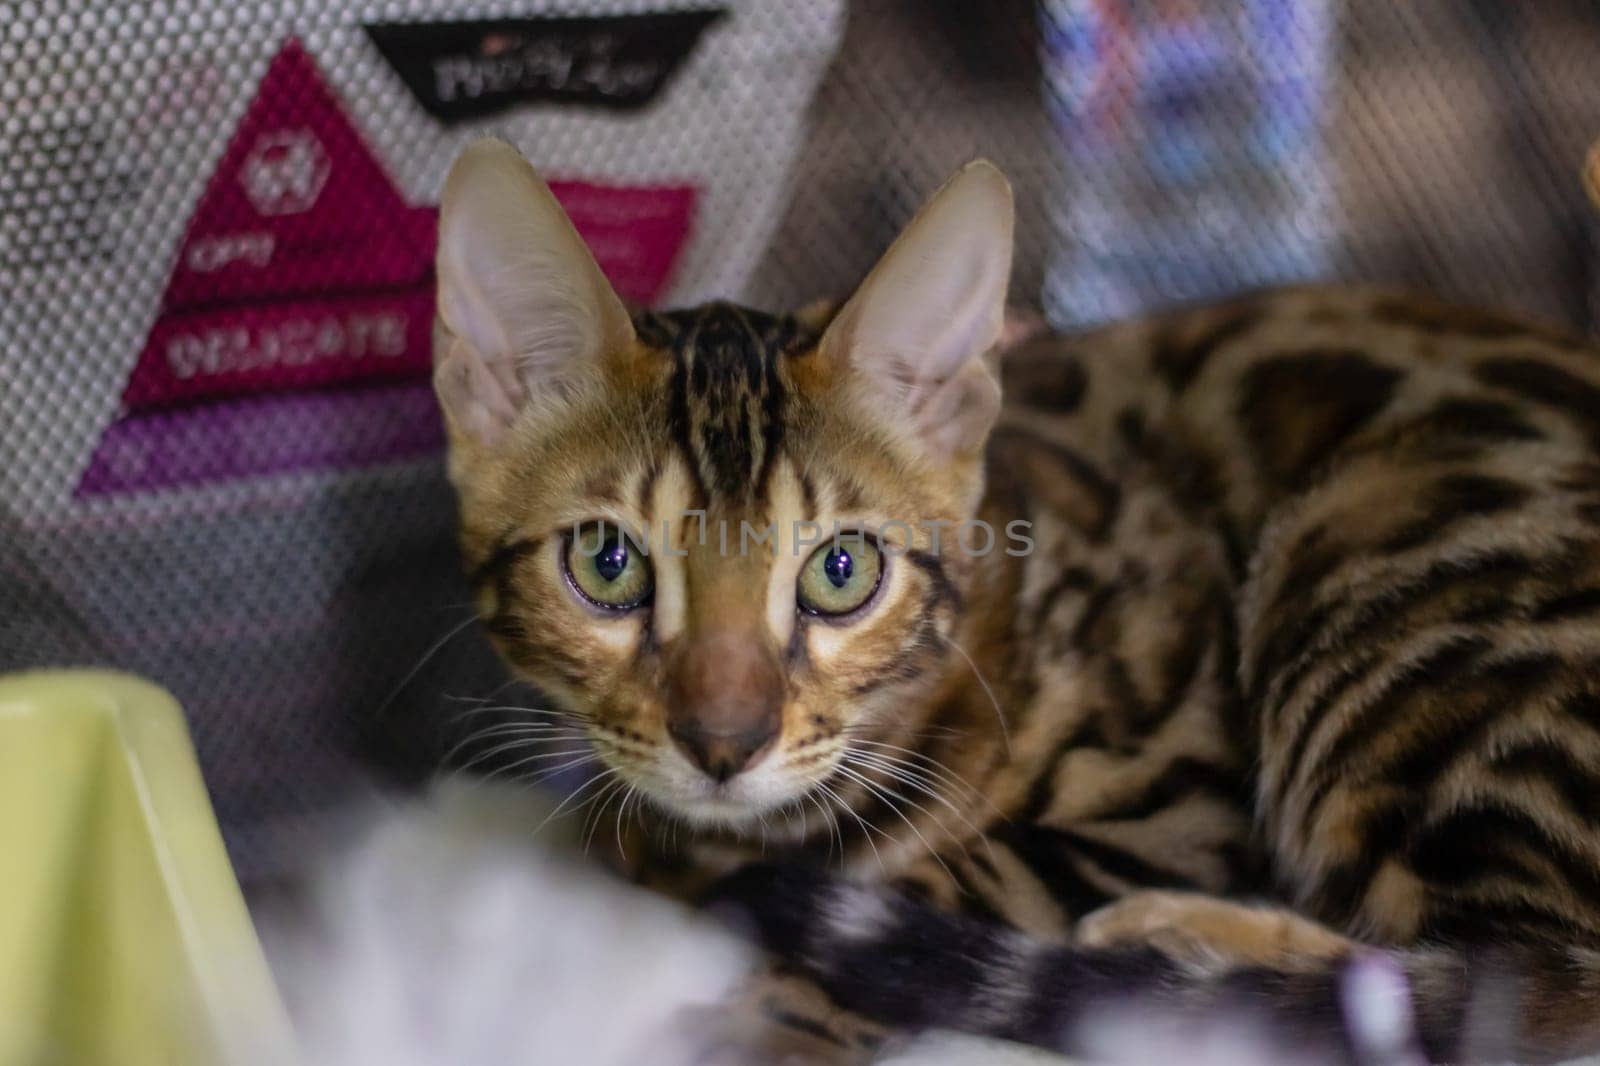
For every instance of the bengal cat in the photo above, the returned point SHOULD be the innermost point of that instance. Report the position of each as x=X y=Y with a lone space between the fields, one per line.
x=1295 y=597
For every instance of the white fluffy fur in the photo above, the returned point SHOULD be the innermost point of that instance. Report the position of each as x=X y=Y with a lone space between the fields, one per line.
x=445 y=933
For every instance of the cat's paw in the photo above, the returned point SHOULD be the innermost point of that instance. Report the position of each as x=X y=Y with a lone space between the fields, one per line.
x=1210 y=931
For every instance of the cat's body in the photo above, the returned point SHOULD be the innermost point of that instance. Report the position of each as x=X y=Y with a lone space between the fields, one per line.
x=1315 y=615
x=1311 y=606
x=1325 y=561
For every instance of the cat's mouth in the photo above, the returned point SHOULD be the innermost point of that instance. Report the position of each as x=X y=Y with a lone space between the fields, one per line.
x=761 y=799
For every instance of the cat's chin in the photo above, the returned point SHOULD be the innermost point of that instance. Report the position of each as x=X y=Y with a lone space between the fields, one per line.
x=762 y=801
x=712 y=814
x=737 y=806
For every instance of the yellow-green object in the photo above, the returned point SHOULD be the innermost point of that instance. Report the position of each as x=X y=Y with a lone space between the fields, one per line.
x=123 y=936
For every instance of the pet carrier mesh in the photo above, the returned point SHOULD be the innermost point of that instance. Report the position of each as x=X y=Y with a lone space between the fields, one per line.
x=219 y=456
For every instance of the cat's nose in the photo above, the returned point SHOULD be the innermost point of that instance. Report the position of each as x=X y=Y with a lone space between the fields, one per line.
x=721 y=755
x=726 y=705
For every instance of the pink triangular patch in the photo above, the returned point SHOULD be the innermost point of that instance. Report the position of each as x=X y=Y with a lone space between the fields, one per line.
x=297 y=204
x=302 y=268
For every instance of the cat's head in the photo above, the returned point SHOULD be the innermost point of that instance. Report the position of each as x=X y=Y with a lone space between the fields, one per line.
x=723 y=647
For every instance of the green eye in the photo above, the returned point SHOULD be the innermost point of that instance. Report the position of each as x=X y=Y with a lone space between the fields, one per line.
x=840 y=576
x=607 y=568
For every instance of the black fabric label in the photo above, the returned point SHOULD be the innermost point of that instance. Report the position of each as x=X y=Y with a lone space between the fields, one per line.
x=465 y=70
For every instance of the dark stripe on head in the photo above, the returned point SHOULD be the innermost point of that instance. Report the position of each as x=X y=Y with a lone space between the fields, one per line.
x=944 y=589
x=647 y=484
x=909 y=661
x=808 y=494
x=728 y=398
x=506 y=554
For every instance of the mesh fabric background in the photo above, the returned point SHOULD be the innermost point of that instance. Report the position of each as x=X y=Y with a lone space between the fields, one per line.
x=1160 y=150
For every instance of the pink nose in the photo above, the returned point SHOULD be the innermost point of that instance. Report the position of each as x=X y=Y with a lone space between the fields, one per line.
x=721 y=755
x=727 y=702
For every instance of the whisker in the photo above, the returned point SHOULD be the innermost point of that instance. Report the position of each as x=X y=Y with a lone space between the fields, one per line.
x=926 y=779
x=884 y=793
x=527 y=735
x=545 y=772
x=622 y=811
x=903 y=775
x=938 y=770
x=762 y=820
x=491 y=694
x=521 y=729
x=831 y=823
x=1005 y=731
x=929 y=764
x=909 y=775
x=867 y=828
x=591 y=821
x=484 y=756
x=580 y=790
x=527 y=729
x=429 y=654
x=517 y=708
x=513 y=745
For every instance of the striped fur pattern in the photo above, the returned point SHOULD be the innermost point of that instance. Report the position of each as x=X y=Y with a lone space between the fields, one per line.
x=1312 y=609
x=1396 y=635
x=1311 y=612
x=916 y=967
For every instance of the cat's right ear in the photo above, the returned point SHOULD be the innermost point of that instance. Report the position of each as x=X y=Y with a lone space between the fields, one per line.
x=917 y=328
x=524 y=309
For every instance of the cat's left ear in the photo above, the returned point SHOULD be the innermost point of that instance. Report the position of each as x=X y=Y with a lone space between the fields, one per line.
x=915 y=331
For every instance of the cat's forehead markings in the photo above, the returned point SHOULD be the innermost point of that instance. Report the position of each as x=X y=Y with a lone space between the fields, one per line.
x=603 y=486
x=788 y=505
x=645 y=489
x=727 y=395
x=671 y=495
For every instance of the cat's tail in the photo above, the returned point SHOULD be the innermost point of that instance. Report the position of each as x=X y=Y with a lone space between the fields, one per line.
x=900 y=962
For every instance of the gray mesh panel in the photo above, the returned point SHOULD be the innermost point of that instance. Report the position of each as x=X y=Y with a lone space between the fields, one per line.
x=285 y=597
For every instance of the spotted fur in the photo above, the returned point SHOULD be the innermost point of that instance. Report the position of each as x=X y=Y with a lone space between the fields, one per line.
x=1311 y=613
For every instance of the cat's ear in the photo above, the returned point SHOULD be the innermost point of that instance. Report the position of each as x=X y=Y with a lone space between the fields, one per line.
x=916 y=330
x=524 y=307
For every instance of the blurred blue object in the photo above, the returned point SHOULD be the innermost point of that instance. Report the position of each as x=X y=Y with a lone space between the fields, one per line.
x=1181 y=126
